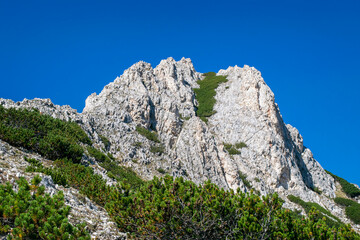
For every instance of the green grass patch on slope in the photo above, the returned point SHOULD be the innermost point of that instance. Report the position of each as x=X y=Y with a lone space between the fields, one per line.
x=349 y=189
x=205 y=95
x=352 y=209
x=151 y=135
x=323 y=212
x=52 y=138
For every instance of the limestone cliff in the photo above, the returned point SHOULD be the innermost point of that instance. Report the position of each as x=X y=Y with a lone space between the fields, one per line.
x=162 y=99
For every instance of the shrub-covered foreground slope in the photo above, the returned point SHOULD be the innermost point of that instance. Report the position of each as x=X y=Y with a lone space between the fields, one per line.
x=169 y=208
x=165 y=208
x=29 y=213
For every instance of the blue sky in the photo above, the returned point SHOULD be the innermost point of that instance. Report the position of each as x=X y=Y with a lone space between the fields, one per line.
x=308 y=53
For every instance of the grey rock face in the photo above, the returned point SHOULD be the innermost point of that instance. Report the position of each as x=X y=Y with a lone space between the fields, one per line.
x=162 y=99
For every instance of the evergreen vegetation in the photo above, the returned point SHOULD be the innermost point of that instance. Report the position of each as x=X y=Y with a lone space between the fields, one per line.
x=240 y=145
x=331 y=220
x=157 y=149
x=30 y=214
x=205 y=95
x=105 y=141
x=231 y=149
x=116 y=171
x=50 y=137
x=164 y=208
x=169 y=208
x=349 y=189
x=97 y=154
x=152 y=136
x=122 y=174
x=160 y=170
x=234 y=149
x=243 y=178
x=137 y=144
x=352 y=209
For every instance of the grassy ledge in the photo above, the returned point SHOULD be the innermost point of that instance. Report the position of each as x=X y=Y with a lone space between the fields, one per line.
x=205 y=95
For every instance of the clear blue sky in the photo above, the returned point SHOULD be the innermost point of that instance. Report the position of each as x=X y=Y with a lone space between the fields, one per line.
x=307 y=51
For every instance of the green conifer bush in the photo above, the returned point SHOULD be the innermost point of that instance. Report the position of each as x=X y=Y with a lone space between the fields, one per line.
x=352 y=209
x=234 y=149
x=97 y=154
x=231 y=149
x=105 y=141
x=52 y=138
x=331 y=220
x=169 y=208
x=157 y=149
x=243 y=178
x=29 y=213
x=205 y=95
x=151 y=135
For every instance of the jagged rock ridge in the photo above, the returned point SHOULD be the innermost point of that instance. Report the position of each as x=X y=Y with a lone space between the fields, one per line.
x=163 y=99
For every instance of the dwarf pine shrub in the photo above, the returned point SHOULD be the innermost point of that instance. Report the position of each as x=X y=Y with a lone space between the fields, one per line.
x=52 y=138
x=205 y=95
x=29 y=213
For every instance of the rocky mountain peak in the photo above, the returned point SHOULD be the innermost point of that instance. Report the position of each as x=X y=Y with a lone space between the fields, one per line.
x=270 y=153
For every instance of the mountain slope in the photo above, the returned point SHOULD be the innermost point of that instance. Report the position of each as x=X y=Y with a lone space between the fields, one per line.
x=272 y=157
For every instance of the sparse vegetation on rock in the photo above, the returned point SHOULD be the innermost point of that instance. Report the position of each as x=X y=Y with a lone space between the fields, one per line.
x=151 y=135
x=234 y=149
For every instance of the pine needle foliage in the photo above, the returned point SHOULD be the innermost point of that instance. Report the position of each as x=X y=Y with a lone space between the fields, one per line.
x=105 y=141
x=352 y=208
x=118 y=172
x=52 y=138
x=243 y=178
x=231 y=149
x=160 y=149
x=349 y=189
x=151 y=135
x=205 y=95
x=29 y=213
x=97 y=154
x=172 y=208
x=331 y=220
x=234 y=149
x=169 y=208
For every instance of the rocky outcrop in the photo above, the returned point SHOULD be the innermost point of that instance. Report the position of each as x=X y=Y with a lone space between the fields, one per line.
x=162 y=99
